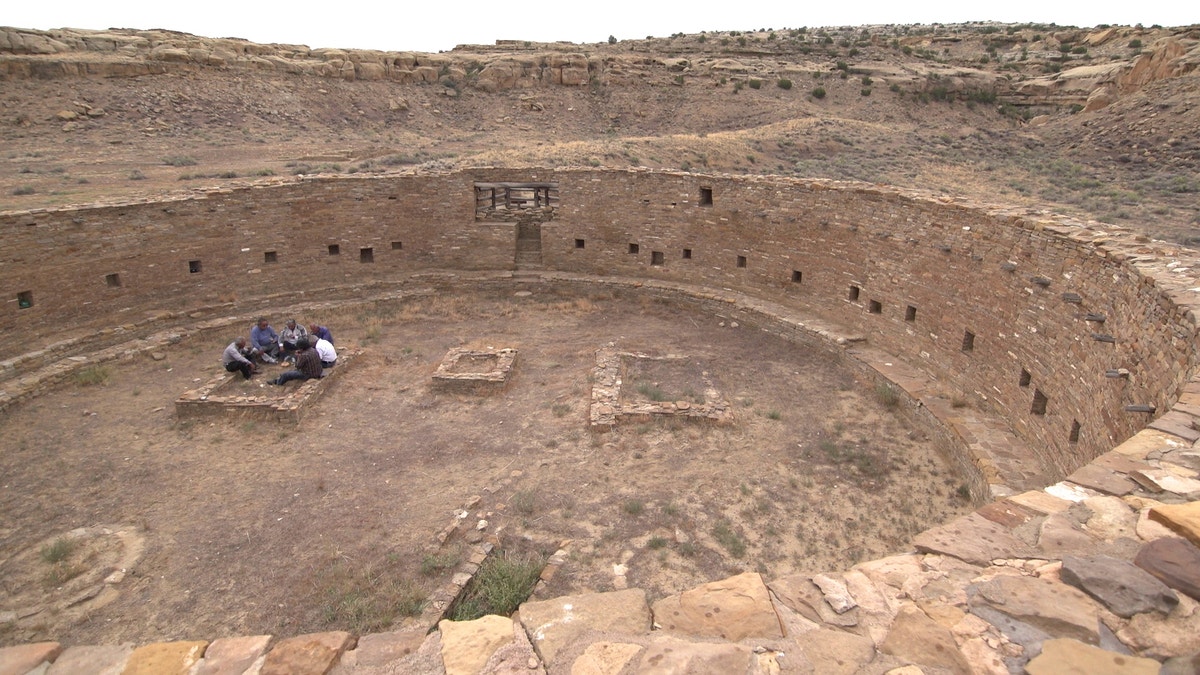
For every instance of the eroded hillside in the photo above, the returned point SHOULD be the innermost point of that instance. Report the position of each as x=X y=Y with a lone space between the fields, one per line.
x=1102 y=123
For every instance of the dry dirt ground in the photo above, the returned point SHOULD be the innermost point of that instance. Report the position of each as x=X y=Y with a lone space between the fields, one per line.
x=238 y=527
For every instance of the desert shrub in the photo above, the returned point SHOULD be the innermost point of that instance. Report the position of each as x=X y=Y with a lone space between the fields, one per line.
x=819 y=92
x=179 y=160
x=784 y=83
x=23 y=190
x=755 y=83
x=500 y=586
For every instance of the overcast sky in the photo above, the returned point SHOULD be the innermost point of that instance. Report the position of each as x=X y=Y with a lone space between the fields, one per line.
x=431 y=26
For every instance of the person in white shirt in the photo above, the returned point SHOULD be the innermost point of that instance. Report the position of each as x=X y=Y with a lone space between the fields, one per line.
x=327 y=353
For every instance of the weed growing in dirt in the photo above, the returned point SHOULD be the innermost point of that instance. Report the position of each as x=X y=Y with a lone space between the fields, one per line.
x=560 y=409
x=179 y=160
x=656 y=543
x=61 y=573
x=500 y=586
x=369 y=600
x=633 y=507
x=436 y=563
x=525 y=502
x=58 y=551
x=887 y=395
x=729 y=539
x=92 y=375
x=652 y=392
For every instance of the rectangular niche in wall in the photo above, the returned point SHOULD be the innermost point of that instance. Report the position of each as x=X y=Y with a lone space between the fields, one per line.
x=1074 y=437
x=366 y=255
x=875 y=307
x=25 y=299
x=1025 y=378
x=656 y=257
x=797 y=276
x=112 y=280
x=580 y=243
x=706 y=197
x=397 y=246
x=910 y=313
x=853 y=295
x=634 y=248
x=687 y=254
x=194 y=267
x=968 y=343
x=741 y=261
x=1039 y=403
x=270 y=256
x=334 y=249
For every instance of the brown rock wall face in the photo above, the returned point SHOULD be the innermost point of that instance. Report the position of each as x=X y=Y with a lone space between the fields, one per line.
x=1025 y=317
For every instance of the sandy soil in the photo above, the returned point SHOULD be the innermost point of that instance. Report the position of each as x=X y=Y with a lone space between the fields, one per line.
x=240 y=526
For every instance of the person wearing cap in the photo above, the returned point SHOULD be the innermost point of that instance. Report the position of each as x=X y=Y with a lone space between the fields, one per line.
x=237 y=358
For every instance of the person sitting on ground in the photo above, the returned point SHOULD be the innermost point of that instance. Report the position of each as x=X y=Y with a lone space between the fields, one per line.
x=308 y=364
x=321 y=332
x=265 y=340
x=237 y=358
x=289 y=337
x=325 y=350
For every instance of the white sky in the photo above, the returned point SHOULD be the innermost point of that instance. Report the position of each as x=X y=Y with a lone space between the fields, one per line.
x=430 y=26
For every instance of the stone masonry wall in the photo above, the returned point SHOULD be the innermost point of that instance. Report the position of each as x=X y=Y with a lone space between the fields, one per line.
x=1005 y=307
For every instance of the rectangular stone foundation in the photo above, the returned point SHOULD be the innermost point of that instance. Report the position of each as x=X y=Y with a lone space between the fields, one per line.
x=475 y=371
x=607 y=408
x=219 y=398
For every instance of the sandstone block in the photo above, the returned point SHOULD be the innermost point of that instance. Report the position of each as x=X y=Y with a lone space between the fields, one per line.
x=1069 y=657
x=467 y=645
x=232 y=656
x=378 y=649
x=20 y=659
x=1121 y=586
x=605 y=658
x=732 y=609
x=917 y=638
x=835 y=652
x=1057 y=609
x=552 y=624
x=1181 y=518
x=92 y=660
x=164 y=658
x=974 y=539
x=312 y=653
x=671 y=656
x=1175 y=562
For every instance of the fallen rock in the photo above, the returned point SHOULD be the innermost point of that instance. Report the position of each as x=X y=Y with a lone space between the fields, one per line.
x=800 y=594
x=1069 y=657
x=1161 y=637
x=835 y=592
x=731 y=609
x=1122 y=587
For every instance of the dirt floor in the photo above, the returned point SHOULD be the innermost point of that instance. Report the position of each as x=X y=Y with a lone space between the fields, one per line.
x=240 y=527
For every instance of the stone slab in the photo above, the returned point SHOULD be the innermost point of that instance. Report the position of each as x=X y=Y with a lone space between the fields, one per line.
x=605 y=658
x=552 y=624
x=800 y=594
x=916 y=638
x=1121 y=586
x=1104 y=480
x=1070 y=657
x=731 y=609
x=1058 y=609
x=1175 y=562
x=232 y=656
x=835 y=652
x=314 y=653
x=467 y=645
x=1007 y=513
x=973 y=539
x=671 y=656
x=21 y=659
x=379 y=649
x=1041 y=502
x=92 y=660
x=1181 y=518
x=164 y=658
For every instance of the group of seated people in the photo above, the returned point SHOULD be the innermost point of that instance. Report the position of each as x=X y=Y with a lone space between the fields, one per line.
x=310 y=350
